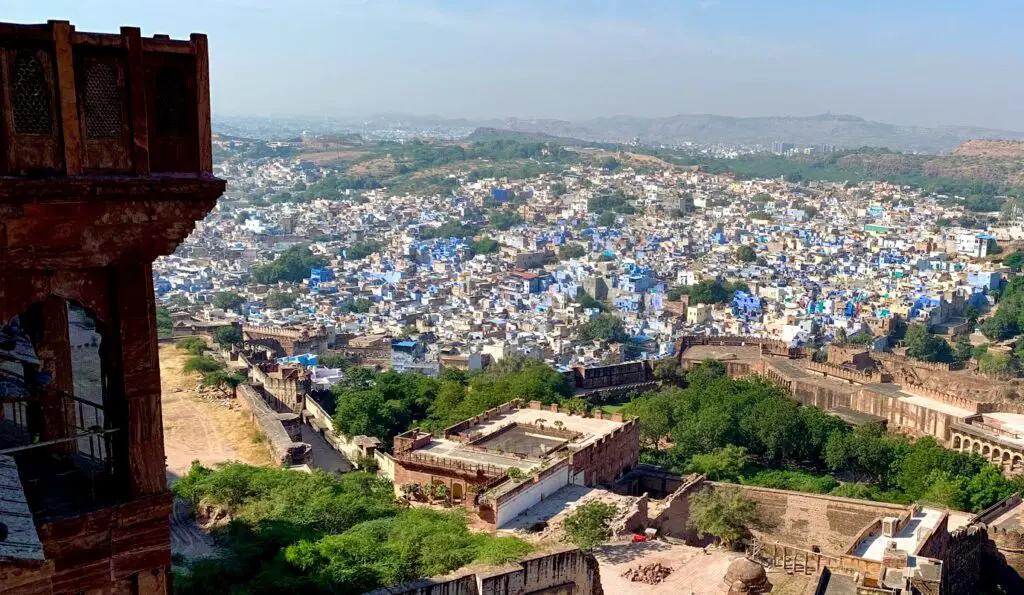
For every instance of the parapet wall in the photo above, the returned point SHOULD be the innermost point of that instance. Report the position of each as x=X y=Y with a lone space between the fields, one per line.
x=455 y=432
x=283 y=448
x=612 y=376
x=855 y=376
x=565 y=571
x=805 y=520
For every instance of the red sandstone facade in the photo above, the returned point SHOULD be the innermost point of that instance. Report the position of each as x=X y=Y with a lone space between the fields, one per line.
x=105 y=164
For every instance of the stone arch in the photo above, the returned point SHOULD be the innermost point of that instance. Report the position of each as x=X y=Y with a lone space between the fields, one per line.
x=1015 y=463
x=1004 y=460
x=976 y=447
x=956 y=442
x=996 y=454
x=457 y=491
x=986 y=450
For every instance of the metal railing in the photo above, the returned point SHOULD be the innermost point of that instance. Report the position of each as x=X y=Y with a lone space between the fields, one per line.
x=71 y=469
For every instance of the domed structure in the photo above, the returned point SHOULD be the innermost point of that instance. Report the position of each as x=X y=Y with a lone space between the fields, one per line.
x=746 y=577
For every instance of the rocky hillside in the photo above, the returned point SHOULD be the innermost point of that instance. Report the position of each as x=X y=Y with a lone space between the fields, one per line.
x=1006 y=149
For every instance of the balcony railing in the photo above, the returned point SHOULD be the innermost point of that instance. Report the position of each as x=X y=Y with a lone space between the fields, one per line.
x=69 y=473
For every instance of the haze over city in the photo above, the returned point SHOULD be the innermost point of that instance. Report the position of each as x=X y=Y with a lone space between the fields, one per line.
x=913 y=63
x=391 y=297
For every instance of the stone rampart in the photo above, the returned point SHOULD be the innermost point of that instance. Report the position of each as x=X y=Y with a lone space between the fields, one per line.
x=567 y=570
x=283 y=447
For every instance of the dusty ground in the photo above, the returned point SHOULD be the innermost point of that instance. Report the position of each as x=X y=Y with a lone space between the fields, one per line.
x=210 y=431
x=694 y=571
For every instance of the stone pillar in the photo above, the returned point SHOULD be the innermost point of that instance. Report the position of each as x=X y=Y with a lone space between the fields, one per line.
x=136 y=380
x=54 y=415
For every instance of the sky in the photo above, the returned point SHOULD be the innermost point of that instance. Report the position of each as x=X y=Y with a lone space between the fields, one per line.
x=913 y=62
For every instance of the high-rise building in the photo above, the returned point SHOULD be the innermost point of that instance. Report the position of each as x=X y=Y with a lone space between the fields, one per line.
x=105 y=164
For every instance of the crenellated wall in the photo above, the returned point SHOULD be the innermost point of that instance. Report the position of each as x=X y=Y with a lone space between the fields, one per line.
x=563 y=571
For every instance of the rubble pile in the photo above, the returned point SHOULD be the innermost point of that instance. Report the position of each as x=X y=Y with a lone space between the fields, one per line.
x=650 y=574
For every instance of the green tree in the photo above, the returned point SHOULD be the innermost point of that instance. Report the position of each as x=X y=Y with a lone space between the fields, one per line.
x=222 y=379
x=962 y=347
x=611 y=163
x=722 y=464
x=656 y=416
x=226 y=336
x=164 y=323
x=333 y=359
x=995 y=363
x=587 y=301
x=746 y=253
x=361 y=250
x=589 y=525
x=604 y=327
x=558 y=189
x=723 y=513
x=192 y=345
x=607 y=219
x=201 y=364
x=226 y=300
x=668 y=370
x=484 y=246
x=1015 y=260
x=925 y=346
x=504 y=219
x=279 y=299
x=294 y=265
x=571 y=250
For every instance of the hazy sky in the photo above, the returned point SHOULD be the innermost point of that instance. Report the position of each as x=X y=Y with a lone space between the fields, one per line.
x=927 y=62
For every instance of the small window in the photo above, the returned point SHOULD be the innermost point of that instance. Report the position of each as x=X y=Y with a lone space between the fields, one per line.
x=30 y=96
x=102 y=102
x=171 y=102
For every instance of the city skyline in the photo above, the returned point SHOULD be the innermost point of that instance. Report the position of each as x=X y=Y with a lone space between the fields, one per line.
x=927 y=64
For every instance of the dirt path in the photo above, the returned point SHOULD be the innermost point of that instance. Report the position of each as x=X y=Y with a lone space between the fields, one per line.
x=210 y=431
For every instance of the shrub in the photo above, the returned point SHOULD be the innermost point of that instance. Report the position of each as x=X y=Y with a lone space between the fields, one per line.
x=193 y=345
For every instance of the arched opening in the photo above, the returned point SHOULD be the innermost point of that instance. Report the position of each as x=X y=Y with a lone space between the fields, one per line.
x=55 y=419
x=458 y=491
x=976 y=447
x=1004 y=461
x=995 y=454
x=956 y=442
x=1015 y=464
x=986 y=450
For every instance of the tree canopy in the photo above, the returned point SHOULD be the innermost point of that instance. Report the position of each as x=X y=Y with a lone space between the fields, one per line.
x=588 y=526
x=387 y=403
x=227 y=300
x=925 y=346
x=324 y=534
x=752 y=432
x=604 y=327
x=294 y=265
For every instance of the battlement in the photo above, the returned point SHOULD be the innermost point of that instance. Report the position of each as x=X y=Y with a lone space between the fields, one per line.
x=852 y=375
x=287 y=333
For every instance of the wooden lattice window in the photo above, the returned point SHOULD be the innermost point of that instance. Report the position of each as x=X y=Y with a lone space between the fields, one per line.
x=171 y=103
x=30 y=96
x=102 y=99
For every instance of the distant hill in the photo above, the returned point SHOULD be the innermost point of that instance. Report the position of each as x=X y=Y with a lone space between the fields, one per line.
x=487 y=134
x=840 y=130
x=991 y=148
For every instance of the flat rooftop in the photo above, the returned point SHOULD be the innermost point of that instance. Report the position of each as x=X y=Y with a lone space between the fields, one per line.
x=724 y=353
x=533 y=434
x=907 y=539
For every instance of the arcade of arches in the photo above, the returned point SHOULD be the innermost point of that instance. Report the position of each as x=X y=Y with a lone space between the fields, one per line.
x=1009 y=459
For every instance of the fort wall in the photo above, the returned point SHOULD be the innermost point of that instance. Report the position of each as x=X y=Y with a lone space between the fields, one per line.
x=566 y=570
x=280 y=429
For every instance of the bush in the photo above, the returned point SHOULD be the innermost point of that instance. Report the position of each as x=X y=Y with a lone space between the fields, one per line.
x=588 y=526
x=723 y=513
x=201 y=364
x=193 y=345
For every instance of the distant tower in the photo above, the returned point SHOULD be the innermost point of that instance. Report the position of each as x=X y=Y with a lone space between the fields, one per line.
x=105 y=164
